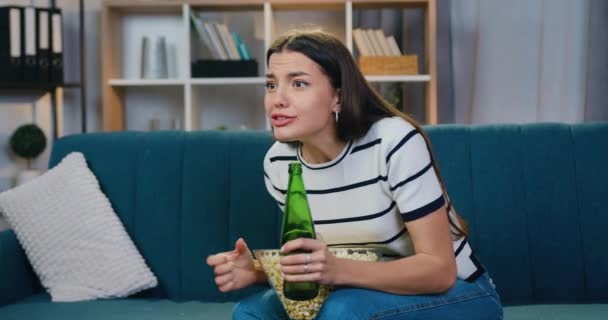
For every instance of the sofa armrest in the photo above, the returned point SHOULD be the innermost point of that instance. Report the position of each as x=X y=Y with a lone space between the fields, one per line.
x=17 y=280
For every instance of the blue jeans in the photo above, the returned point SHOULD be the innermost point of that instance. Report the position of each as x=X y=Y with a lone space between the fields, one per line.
x=476 y=300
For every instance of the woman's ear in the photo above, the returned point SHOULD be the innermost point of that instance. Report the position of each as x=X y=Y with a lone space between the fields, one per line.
x=338 y=100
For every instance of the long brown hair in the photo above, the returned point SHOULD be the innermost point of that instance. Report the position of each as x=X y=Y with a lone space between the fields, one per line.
x=360 y=105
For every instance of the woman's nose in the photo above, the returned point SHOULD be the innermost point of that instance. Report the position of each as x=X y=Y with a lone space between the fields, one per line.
x=279 y=99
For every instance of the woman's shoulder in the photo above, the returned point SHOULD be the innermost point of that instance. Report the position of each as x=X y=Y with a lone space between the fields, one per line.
x=390 y=129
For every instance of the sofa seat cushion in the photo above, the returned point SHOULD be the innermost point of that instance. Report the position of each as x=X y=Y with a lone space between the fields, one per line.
x=40 y=307
x=556 y=312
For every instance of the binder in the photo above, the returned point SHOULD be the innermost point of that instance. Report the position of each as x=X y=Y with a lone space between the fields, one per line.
x=30 y=63
x=11 y=44
x=56 y=46
x=43 y=45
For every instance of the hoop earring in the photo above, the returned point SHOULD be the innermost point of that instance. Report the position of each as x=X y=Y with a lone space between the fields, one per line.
x=337 y=116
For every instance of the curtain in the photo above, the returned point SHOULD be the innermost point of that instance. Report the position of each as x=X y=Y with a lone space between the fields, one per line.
x=523 y=61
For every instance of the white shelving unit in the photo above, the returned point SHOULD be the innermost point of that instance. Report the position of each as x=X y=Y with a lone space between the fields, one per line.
x=130 y=102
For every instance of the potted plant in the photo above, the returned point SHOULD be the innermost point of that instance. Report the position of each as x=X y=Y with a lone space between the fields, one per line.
x=28 y=142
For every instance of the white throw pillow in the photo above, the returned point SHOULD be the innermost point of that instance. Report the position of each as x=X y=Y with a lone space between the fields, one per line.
x=72 y=237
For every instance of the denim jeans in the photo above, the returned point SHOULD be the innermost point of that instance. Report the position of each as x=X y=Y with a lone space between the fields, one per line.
x=476 y=300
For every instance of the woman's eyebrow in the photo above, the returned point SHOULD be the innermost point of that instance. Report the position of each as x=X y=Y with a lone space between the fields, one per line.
x=289 y=75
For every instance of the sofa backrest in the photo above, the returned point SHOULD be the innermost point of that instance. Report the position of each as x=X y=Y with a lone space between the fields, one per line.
x=531 y=195
x=534 y=197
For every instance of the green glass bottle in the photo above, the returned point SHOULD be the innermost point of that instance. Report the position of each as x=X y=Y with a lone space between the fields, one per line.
x=297 y=223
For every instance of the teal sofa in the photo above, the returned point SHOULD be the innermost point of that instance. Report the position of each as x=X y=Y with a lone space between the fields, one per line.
x=534 y=197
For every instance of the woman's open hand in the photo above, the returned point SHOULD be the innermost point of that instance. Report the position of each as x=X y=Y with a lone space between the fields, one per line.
x=234 y=269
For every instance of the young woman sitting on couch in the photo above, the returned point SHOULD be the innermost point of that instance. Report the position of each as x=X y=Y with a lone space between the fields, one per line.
x=378 y=184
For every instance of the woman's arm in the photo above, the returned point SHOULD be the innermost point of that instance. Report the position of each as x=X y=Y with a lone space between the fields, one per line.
x=432 y=269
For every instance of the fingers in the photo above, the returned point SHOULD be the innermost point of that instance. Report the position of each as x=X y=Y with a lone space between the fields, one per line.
x=223 y=268
x=302 y=258
x=302 y=269
x=240 y=246
x=227 y=287
x=303 y=277
x=216 y=259
x=303 y=244
x=224 y=279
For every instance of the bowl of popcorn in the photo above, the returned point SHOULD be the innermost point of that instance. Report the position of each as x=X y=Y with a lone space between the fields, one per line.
x=306 y=309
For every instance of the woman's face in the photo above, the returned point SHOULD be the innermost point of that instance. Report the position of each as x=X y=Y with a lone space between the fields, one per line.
x=299 y=99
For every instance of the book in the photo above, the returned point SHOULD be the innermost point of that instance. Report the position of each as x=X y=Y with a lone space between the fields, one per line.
x=228 y=42
x=207 y=46
x=360 y=42
x=374 y=45
x=241 y=46
x=216 y=43
x=393 y=45
x=381 y=39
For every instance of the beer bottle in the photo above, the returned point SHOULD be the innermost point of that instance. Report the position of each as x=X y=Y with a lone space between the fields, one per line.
x=297 y=223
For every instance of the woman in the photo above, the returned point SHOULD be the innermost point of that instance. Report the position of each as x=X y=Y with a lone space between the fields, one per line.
x=371 y=180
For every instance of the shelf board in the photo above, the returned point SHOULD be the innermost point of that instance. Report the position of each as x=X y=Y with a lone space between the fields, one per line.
x=144 y=82
x=228 y=80
x=245 y=80
x=409 y=78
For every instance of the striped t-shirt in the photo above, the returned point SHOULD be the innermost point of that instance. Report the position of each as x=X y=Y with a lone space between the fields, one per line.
x=366 y=194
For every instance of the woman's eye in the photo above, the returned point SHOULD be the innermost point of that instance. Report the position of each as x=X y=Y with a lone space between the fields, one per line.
x=270 y=85
x=300 y=84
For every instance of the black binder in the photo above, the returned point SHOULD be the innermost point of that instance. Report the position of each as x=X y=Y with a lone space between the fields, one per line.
x=30 y=63
x=43 y=42
x=56 y=50
x=11 y=44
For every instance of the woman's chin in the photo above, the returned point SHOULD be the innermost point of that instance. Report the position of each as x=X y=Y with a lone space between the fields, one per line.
x=282 y=136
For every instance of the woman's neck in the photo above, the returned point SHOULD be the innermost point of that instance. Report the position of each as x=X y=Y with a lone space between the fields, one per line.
x=322 y=151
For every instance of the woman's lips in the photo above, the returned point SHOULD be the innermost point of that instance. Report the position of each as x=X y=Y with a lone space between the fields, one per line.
x=281 y=121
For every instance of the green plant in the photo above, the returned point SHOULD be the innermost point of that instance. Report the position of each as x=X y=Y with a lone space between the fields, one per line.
x=28 y=141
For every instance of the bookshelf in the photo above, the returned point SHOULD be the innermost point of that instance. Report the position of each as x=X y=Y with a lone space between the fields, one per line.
x=209 y=103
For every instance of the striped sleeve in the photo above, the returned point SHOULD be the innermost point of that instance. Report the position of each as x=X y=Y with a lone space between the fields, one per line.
x=411 y=178
x=272 y=182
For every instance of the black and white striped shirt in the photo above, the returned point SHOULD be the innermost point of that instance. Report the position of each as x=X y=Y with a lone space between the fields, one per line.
x=364 y=196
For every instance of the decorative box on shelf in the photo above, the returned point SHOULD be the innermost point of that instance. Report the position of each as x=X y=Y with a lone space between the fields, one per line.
x=388 y=65
x=224 y=68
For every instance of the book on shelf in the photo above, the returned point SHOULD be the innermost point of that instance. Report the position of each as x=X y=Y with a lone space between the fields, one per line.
x=361 y=43
x=204 y=37
x=218 y=41
x=228 y=42
x=393 y=46
x=373 y=42
x=381 y=39
x=375 y=46
x=242 y=47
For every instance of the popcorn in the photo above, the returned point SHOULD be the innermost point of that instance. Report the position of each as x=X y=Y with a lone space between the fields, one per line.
x=307 y=309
